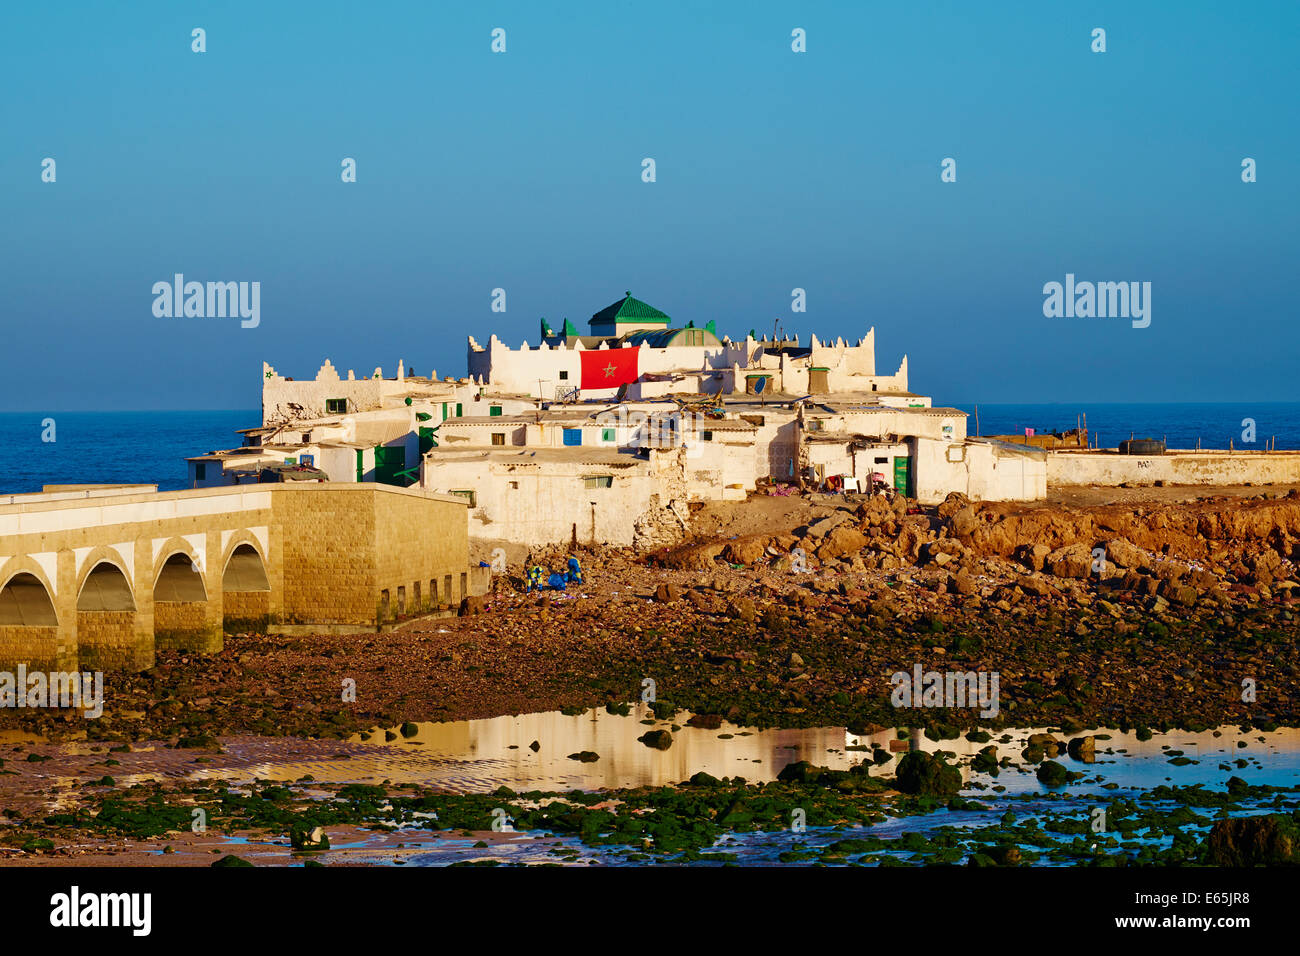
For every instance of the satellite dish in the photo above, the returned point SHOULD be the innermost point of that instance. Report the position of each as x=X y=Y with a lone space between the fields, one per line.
x=622 y=393
x=760 y=385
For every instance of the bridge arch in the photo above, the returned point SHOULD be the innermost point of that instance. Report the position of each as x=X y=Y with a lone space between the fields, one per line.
x=26 y=597
x=105 y=587
x=110 y=634
x=182 y=618
x=111 y=571
x=245 y=585
x=178 y=577
x=245 y=569
x=29 y=621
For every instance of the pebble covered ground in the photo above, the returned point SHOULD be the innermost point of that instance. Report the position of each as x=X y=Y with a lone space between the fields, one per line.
x=790 y=613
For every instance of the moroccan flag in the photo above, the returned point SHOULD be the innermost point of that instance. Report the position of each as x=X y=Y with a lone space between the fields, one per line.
x=609 y=368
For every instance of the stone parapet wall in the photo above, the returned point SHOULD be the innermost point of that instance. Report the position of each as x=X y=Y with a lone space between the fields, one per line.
x=1174 y=468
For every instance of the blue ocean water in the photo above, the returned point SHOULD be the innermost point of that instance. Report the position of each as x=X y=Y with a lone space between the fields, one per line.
x=1180 y=425
x=112 y=447
x=152 y=446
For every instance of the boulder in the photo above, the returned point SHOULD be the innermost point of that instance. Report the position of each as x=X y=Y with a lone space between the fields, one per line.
x=962 y=583
x=1252 y=841
x=1036 y=586
x=694 y=557
x=1181 y=594
x=300 y=838
x=657 y=739
x=742 y=608
x=1083 y=749
x=1071 y=561
x=666 y=593
x=1122 y=554
x=840 y=541
x=924 y=774
x=747 y=550
x=963 y=523
x=955 y=502
x=1052 y=774
x=1032 y=556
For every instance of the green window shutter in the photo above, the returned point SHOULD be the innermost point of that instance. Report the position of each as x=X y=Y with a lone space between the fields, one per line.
x=459 y=410
x=494 y=411
x=607 y=434
x=427 y=441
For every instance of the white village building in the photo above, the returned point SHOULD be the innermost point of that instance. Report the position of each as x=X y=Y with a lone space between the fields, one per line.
x=608 y=437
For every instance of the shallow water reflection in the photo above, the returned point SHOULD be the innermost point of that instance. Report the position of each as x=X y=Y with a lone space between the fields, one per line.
x=477 y=756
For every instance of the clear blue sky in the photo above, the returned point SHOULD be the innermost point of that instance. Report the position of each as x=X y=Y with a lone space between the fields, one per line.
x=775 y=170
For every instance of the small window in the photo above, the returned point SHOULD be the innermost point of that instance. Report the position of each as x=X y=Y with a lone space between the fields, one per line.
x=607 y=434
x=470 y=495
x=498 y=438
x=564 y=375
x=514 y=486
x=573 y=436
x=707 y=435
x=598 y=481
x=336 y=406
x=306 y=438
x=495 y=411
x=882 y=461
x=201 y=471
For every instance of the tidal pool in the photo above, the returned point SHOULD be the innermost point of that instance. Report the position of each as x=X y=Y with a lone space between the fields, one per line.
x=478 y=756
x=481 y=756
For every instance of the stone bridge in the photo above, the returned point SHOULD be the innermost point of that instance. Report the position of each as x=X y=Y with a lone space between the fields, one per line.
x=98 y=577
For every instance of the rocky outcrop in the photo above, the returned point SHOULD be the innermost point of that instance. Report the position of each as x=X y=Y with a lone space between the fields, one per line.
x=1253 y=841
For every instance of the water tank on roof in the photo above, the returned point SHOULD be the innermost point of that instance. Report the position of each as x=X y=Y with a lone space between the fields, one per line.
x=1142 y=446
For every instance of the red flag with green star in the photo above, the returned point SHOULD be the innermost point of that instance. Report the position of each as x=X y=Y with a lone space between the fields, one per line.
x=609 y=368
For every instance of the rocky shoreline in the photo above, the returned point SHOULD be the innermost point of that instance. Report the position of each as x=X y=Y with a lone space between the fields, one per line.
x=1160 y=616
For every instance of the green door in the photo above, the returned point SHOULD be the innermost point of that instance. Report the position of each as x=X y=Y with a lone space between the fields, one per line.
x=902 y=475
x=360 y=465
x=389 y=463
